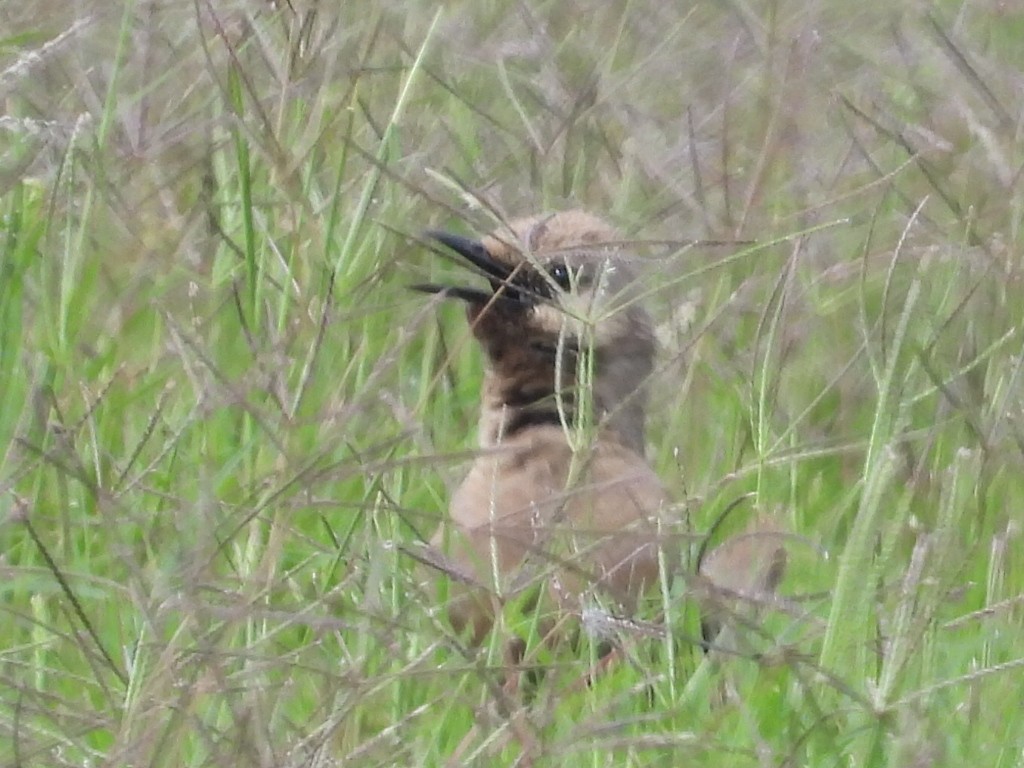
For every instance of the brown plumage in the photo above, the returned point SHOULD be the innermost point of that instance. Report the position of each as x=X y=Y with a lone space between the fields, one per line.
x=739 y=574
x=562 y=488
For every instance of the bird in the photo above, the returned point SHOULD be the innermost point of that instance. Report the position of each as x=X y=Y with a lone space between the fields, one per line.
x=561 y=489
x=561 y=481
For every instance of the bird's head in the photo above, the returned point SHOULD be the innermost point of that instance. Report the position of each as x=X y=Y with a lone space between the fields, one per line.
x=558 y=281
x=561 y=293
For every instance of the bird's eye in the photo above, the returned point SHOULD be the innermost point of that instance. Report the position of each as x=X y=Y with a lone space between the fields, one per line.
x=560 y=274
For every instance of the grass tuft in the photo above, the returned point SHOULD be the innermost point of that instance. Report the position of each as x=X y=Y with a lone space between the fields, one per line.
x=226 y=423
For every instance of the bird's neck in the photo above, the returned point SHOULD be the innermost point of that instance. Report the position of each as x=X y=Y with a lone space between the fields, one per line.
x=520 y=394
x=517 y=399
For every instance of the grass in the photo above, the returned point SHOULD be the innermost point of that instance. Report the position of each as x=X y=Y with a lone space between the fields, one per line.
x=224 y=418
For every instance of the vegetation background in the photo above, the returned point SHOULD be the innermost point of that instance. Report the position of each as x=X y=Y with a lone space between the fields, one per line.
x=224 y=421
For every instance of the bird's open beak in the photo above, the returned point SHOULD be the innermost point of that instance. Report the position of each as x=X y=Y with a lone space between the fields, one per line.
x=473 y=252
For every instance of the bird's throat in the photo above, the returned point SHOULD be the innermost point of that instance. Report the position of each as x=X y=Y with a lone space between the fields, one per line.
x=516 y=400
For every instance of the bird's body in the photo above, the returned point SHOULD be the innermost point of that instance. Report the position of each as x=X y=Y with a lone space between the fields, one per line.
x=561 y=490
x=584 y=521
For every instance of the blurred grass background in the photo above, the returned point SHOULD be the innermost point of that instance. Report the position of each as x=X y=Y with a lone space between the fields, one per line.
x=223 y=416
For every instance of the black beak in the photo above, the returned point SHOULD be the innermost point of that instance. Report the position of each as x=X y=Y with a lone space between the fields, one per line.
x=471 y=295
x=474 y=252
